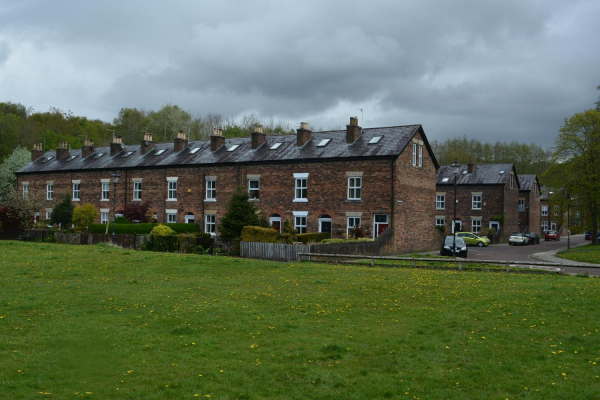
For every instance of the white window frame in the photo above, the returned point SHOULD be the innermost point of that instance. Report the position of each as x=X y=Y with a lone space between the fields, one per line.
x=211 y=190
x=210 y=224
x=103 y=216
x=300 y=221
x=476 y=201
x=25 y=190
x=105 y=196
x=476 y=222
x=171 y=218
x=414 y=155
x=521 y=205
x=354 y=188
x=440 y=201
x=420 y=155
x=49 y=190
x=254 y=192
x=76 y=190
x=544 y=211
x=351 y=223
x=440 y=222
x=137 y=190
x=301 y=188
x=48 y=214
x=544 y=225
x=172 y=189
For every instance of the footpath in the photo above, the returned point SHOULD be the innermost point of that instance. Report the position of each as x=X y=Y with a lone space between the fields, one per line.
x=570 y=267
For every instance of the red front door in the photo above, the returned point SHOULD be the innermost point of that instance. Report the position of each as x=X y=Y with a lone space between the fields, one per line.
x=381 y=228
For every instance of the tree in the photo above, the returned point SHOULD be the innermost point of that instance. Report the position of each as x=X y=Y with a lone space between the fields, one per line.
x=598 y=101
x=17 y=212
x=240 y=213
x=62 y=213
x=577 y=162
x=130 y=123
x=165 y=122
x=84 y=215
x=136 y=212
x=18 y=159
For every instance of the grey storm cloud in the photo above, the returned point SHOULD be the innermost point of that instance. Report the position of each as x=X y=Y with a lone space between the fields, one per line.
x=508 y=70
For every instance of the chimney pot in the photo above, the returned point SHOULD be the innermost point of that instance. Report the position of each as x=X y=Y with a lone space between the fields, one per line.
x=470 y=168
x=180 y=142
x=303 y=134
x=147 y=144
x=62 y=150
x=117 y=146
x=87 y=149
x=217 y=132
x=37 y=152
x=353 y=130
x=258 y=137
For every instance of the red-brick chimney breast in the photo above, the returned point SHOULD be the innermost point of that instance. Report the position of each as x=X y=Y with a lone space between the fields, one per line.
x=303 y=134
x=258 y=137
x=87 y=149
x=180 y=142
x=62 y=150
x=217 y=140
x=37 y=152
x=147 y=143
x=116 y=146
x=470 y=168
x=353 y=130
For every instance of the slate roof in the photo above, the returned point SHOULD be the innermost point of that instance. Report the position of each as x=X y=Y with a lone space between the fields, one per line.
x=483 y=174
x=393 y=141
x=527 y=181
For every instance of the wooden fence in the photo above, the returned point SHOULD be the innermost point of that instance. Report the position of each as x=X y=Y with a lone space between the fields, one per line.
x=272 y=251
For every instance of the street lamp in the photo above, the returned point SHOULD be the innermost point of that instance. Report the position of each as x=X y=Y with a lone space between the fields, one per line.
x=455 y=171
x=115 y=177
x=568 y=220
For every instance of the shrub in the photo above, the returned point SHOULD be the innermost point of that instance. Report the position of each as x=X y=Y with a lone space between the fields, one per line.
x=289 y=233
x=163 y=238
x=137 y=212
x=121 y=220
x=62 y=213
x=162 y=230
x=334 y=241
x=194 y=243
x=84 y=215
x=487 y=232
x=259 y=234
x=240 y=213
x=17 y=212
x=316 y=237
x=357 y=233
x=142 y=229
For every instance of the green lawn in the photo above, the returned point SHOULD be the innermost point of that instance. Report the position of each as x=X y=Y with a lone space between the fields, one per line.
x=102 y=322
x=589 y=253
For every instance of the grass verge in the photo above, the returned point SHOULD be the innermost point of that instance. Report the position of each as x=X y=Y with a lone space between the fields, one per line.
x=589 y=253
x=111 y=323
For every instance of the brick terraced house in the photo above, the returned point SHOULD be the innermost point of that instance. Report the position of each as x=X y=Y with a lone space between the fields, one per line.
x=487 y=196
x=529 y=204
x=322 y=182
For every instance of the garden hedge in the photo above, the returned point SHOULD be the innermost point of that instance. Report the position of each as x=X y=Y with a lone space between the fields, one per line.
x=316 y=237
x=259 y=234
x=141 y=229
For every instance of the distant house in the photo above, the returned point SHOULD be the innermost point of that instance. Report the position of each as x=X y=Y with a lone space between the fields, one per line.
x=552 y=216
x=529 y=203
x=487 y=197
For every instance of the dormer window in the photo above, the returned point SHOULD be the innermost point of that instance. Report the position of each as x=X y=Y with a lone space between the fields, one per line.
x=375 y=139
x=323 y=142
x=233 y=148
x=276 y=146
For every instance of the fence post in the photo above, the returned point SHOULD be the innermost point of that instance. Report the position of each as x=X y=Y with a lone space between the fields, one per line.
x=459 y=265
x=372 y=262
x=562 y=272
x=413 y=263
x=507 y=267
x=212 y=245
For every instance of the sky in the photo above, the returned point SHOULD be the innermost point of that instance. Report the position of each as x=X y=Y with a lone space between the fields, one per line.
x=492 y=70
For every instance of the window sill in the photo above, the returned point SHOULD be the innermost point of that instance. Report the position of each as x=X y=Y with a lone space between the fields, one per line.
x=104 y=199
x=254 y=200
x=75 y=199
x=441 y=209
x=300 y=200
x=210 y=200
x=353 y=200
x=136 y=199
x=171 y=199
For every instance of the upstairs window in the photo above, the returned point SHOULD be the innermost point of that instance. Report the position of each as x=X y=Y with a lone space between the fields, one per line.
x=301 y=187
x=49 y=191
x=137 y=190
x=544 y=211
x=440 y=201
x=25 y=190
x=76 y=191
x=253 y=189
x=105 y=191
x=521 y=205
x=354 y=188
x=172 y=189
x=211 y=189
x=476 y=202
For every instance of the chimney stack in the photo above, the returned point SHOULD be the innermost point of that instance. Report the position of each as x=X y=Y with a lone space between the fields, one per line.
x=352 y=130
x=258 y=137
x=217 y=140
x=303 y=134
x=147 y=143
x=116 y=146
x=180 y=142
x=62 y=150
x=87 y=149
x=470 y=167
x=37 y=152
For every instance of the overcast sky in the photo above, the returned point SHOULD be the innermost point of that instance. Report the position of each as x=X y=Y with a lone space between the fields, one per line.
x=497 y=70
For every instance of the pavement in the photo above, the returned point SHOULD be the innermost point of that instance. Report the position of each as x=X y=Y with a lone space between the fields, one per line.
x=570 y=267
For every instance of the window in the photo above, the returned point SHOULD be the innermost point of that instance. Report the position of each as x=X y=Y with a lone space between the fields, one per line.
x=521 y=205
x=105 y=191
x=420 y=161
x=253 y=189
x=211 y=189
x=210 y=225
x=172 y=189
x=375 y=139
x=323 y=142
x=544 y=211
x=417 y=156
x=440 y=221
x=354 y=188
x=553 y=226
x=534 y=188
x=48 y=214
x=233 y=148
x=104 y=217
x=49 y=190
x=300 y=224
x=556 y=210
x=159 y=152
x=276 y=145
x=194 y=150
x=544 y=225
x=414 y=160
x=512 y=181
x=25 y=190
x=353 y=222
x=476 y=202
x=137 y=190
x=475 y=225
x=171 y=217
x=440 y=201
x=301 y=187
x=76 y=191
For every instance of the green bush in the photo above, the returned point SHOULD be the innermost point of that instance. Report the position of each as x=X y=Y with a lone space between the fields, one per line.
x=259 y=234
x=487 y=232
x=316 y=237
x=142 y=229
x=162 y=230
x=194 y=243
x=121 y=220
x=84 y=215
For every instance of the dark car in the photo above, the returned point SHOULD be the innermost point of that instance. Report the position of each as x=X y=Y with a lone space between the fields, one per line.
x=533 y=238
x=552 y=235
x=461 y=247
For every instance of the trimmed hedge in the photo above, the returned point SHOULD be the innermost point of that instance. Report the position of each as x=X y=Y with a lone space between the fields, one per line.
x=316 y=237
x=259 y=234
x=333 y=241
x=142 y=229
x=194 y=243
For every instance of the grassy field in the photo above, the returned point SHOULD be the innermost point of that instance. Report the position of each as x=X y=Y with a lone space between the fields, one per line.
x=102 y=322
x=588 y=254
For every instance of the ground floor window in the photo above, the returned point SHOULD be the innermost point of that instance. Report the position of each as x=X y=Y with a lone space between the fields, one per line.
x=171 y=218
x=48 y=214
x=544 y=225
x=553 y=226
x=475 y=225
x=353 y=222
x=440 y=221
x=104 y=217
x=210 y=224
x=300 y=224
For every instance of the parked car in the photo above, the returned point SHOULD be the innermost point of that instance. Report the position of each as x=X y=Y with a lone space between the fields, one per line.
x=588 y=235
x=518 y=238
x=552 y=235
x=533 y=238
x=461 y=246
x=473 y=239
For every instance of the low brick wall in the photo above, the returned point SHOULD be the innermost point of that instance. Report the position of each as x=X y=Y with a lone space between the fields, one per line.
x=383 y=245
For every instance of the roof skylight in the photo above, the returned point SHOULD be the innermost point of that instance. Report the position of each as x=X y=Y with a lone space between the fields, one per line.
x=465 y=172
x=445 y=179
x=158 y=153
x=375 y=139
x=97 y=156
x=194 y=150
x=276 y=145
x=48 y=159
x=127 y=154
x=323 y=142
x=71 y=157
x=501 y=172
x=232 y=148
